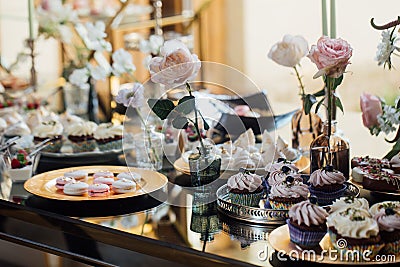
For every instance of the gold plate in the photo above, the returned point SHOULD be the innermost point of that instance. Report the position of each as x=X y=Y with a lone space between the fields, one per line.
x=43 y=184
x=359 y=185
x=182 y=166
x=280 y=241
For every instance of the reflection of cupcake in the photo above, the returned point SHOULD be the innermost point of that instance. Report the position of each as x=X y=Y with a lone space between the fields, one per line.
x=327 y=185
x=389 y=228
x=307 y=223
x=52 y=130
x=245 y=189
x=287 y=193
x=81 y=136
x=344 y=203
x=108 y=136
x=354 y=230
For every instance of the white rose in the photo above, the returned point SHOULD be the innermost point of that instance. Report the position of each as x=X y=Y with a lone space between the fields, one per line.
x=289 y=51
x=176 y=65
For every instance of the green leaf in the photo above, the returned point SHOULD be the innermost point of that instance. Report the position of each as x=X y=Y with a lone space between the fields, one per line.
x=319 y=104
x=206 y=126
x=180 y=122
x=320 y=93
x=161 y=107
x=339 y=104
x=395 y=150
x=308 y=102
x=336 y=81
x=186 y=104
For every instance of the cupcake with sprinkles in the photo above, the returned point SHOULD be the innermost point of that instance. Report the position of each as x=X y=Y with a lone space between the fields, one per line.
x=389 y=228
x=245 y=188
x=307 y=223
x=287 y=193
x=344 y=203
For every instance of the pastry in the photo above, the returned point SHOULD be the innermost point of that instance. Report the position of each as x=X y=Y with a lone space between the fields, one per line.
x=388 y=220
x=307 y=223
x=358 y=173
x=285 y=194
x=98 y=190
x=382 y=181
x=52 y=130
x=81 y=136
x=367 y=161
x=67 y=119
x=103 y=174
x=18 y=129
x=327 y=185
x=103 y=180
x=133 y=176
x=123 y=186
x=395 y=164
x=245 y=188
x=79 y=175
x=76 y=188
x=344 y=203
x=62 y=181
x=108 y=136
x=357 y=229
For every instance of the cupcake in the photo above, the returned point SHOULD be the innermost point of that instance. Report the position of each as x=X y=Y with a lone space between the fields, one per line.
x=389 y=229
x=287 y=193
x=377 y=207
x=344 y=203
x=108 y=136
x=81 y=136
x=354 y=230
x=245 y=189
x=327 y=185
x=52 y=130
x=307 y=223
x=280 y=175
x=277 y=165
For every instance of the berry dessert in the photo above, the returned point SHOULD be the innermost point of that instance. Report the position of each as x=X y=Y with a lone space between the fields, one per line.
x=383 y=182
x=359 y=172
x=367 y=161
x=21 y=166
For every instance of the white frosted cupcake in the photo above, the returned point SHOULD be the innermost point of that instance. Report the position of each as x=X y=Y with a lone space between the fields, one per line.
x=109 y=136
x=52 y=130
x=344 y=203
x=81 y=136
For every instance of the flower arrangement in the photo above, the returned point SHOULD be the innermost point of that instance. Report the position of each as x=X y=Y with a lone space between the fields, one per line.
x=377 y=115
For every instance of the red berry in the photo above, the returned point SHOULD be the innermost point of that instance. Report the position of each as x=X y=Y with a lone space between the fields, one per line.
x=15 y=164
x=1 y=105
x=30 y=106
x=10 y=103
x=22 y=151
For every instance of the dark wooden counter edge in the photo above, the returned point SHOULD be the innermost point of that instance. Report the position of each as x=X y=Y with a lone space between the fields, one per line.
x=115 y=238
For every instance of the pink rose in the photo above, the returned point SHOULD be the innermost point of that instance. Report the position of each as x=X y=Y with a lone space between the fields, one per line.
x=371 y=107
x=331 y=56
x=176 y=66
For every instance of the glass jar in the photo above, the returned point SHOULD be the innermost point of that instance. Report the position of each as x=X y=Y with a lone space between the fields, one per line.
x=148 y=149
x=305 y=128
x=205 y=166
x=330 y=150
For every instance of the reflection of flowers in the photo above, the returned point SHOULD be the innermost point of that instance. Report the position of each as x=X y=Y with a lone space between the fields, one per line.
x=131 y=97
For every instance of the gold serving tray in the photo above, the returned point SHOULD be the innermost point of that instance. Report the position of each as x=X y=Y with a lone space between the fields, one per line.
x=43 y=185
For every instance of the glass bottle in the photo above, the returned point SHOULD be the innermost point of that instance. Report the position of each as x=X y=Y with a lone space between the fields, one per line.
x=305 y=128
x=330 y=150
x=205 y=166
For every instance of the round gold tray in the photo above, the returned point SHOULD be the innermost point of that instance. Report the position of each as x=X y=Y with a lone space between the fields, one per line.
x=280 y=241
x=43 y=185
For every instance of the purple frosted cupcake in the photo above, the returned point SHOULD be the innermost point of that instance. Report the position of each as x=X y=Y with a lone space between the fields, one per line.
x=287 y=193
x=389 y=228
x=275 y=166
x=245 y=189
x=327 y=185
x=307 y=223
x=279 y=171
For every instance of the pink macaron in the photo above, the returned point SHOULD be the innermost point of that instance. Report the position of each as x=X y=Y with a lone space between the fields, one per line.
x=62 y=181
x=123 y=186
x=103 y=180
x=78 y=175
x=98 y=190
x=76 y=188
x=106 y=174
x=133 y=176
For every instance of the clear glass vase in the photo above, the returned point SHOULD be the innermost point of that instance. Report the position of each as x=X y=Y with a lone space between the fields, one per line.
x=305 y=128
x=148 y=149
x=330 y=150
x=205 y=166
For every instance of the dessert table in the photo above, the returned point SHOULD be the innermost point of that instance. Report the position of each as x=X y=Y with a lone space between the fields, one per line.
x=116 y=233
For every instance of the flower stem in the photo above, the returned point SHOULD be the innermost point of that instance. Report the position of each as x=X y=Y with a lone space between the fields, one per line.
x=301 y=85
x=329 y=88
x=196 y=120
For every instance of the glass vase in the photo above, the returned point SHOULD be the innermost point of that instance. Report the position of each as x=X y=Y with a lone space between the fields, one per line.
x=205 y=166
x=330 y=149
x=305 y=128
x=148 y=149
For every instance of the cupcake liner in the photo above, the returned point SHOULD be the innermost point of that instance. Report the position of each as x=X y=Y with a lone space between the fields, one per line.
x=391 y=248
x=251 y=200
x=83 y=146
x=54 y=146
x=355 y=252
x=304 y=238
x=117 y=144
x=279 y=205
x=327 y=198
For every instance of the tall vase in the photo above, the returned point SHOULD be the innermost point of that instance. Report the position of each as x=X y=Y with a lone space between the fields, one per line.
x=205 y=166
x=305 y=128
x=330 y=150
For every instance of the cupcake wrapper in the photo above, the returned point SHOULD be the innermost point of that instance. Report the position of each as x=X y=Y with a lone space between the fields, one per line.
x=251 y=200
x=327 y=198
x=391 y=248
x=84 y=146
x=304 y=238
x=350 y=250
x=53 y=147
x=117 y=144
x=278 y=205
